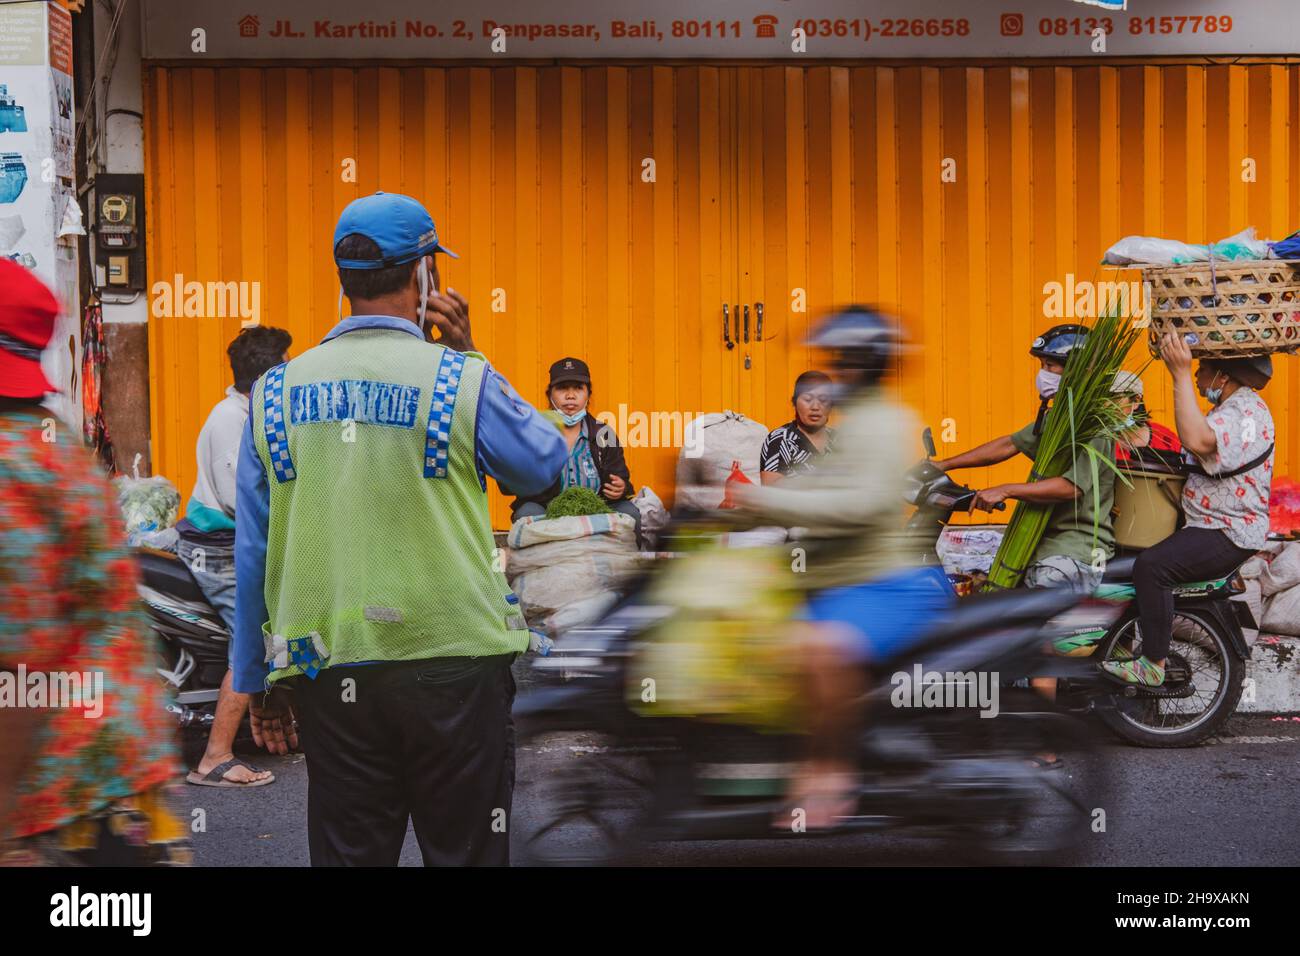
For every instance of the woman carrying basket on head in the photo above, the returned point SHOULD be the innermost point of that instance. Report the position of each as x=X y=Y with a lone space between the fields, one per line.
x=1225 y=500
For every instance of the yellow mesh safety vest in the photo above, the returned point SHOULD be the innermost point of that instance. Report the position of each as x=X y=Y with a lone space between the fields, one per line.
x=379 y=546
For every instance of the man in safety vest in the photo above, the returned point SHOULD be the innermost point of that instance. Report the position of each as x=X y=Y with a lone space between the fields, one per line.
x=364 y=559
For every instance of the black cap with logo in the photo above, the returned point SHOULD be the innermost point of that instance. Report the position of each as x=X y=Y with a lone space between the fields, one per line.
x=570 y=370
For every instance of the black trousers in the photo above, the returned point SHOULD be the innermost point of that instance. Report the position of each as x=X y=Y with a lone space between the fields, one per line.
x=1189 y=554
x=431 y=741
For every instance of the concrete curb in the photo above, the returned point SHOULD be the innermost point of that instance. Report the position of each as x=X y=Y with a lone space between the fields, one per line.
x=1272 y=677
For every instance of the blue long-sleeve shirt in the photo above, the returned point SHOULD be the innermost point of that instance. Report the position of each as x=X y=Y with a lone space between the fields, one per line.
x=513 y=444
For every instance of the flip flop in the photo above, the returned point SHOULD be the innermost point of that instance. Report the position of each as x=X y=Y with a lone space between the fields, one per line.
x=216 y=776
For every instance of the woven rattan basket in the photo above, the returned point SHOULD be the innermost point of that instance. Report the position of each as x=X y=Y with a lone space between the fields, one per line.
x=1227 y=309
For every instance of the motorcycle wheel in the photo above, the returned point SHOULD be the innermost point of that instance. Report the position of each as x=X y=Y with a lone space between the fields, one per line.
x=1042 y=816
x=593 y=808
x=1216 y=675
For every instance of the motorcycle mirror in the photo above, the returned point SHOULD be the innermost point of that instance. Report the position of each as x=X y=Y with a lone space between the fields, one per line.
x=928 y=440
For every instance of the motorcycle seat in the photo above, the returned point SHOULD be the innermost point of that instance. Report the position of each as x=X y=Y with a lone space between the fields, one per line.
x=168 y=574
x=1119 y=569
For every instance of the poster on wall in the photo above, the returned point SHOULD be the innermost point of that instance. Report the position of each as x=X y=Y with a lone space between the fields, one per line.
x=719 y=29
x=39 y=216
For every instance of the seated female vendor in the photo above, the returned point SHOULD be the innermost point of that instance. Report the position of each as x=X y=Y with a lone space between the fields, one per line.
x=595 y=457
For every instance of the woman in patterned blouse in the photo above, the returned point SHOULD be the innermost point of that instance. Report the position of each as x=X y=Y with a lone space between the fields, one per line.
x=796 y=446
x=1225 y=500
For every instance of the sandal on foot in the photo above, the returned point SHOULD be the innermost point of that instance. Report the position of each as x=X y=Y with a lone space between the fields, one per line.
x=216 y=777
x=1138 y=671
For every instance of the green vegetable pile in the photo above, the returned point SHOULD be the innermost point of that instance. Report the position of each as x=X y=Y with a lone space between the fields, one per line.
x=575 y=502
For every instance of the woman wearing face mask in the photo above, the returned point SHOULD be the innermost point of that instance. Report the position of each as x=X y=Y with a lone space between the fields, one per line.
x=1225 y=500
x=1143 y=439
x=595 y=457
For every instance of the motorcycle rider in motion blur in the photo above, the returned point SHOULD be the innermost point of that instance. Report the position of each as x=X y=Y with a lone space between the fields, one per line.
x=864 y=599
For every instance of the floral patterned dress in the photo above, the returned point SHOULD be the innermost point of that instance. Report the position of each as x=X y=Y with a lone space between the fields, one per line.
x=91 y=788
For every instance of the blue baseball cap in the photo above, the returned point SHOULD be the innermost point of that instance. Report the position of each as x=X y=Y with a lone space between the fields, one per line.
x=401 y=228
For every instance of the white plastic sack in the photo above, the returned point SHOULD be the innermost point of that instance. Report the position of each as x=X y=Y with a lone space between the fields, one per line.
x=1283 y=572
x=1282 y=613
x=654 y=516
x=578 y=613
x=558 y=566
x=710 y=444
x=542 y=542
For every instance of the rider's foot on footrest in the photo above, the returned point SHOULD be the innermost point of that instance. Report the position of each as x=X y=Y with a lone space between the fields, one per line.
x=1138 y=671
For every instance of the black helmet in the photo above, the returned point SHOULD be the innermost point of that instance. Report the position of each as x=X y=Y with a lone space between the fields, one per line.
x=862 y=340
x=1056 y=342
x=1253 y=372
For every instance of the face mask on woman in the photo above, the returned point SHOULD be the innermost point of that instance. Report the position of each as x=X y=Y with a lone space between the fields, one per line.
x=573 y=419
x=1215 y=395
x=1047 y=382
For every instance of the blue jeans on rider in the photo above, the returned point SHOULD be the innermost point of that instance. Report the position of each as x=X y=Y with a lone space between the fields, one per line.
x=887 y=615
x=214 y=573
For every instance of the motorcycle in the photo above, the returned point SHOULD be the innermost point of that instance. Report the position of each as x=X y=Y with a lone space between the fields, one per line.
x=1206 y=666
x=941 y=769
x=193 y=641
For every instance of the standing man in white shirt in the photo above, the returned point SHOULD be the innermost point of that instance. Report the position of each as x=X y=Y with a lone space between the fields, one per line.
x=207 y=540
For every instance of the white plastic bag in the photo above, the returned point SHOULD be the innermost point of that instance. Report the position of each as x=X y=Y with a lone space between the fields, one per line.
x=148 y=504
x=1242 y=246
x=1151 y=250
x=710 y=444
x=963 y=550
x=654 y=516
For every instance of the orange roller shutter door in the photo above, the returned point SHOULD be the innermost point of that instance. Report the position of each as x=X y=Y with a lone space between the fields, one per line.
x=766 y=183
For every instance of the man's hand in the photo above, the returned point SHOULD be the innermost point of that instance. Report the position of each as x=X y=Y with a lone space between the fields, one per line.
x=990 y=498
x=614 y=488
x=1177 y=354
x=272 y=720
x=448 y=312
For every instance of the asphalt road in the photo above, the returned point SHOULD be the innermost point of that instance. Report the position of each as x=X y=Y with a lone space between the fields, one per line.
x=1231 y=802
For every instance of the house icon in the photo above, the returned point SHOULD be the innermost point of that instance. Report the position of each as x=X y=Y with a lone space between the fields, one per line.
x=248 y=26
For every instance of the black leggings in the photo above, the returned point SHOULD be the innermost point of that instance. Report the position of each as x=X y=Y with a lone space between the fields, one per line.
x=1189 y=554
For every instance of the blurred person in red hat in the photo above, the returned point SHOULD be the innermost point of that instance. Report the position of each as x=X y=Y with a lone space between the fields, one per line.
x=85 y=743
x=27 y=313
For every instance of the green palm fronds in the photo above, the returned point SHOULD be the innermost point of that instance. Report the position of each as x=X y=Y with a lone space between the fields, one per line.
x=1083 y=410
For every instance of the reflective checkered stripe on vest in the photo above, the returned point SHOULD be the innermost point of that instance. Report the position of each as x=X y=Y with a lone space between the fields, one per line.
x=379 y=546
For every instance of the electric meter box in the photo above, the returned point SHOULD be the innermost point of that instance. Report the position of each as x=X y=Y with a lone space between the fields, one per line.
x=119 y=231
